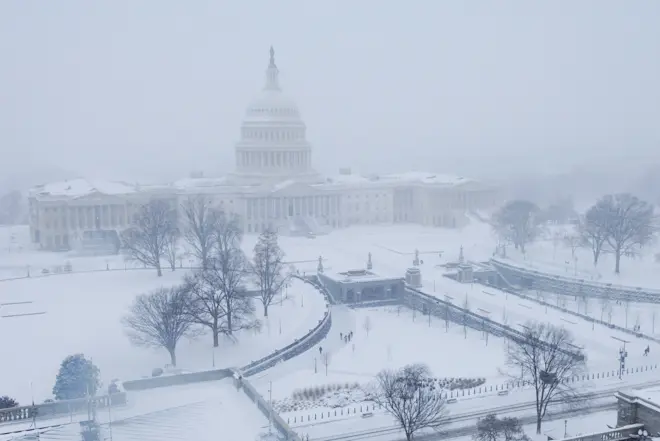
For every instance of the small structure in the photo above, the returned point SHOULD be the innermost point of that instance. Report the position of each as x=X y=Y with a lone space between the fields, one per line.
x=361 y=285
x=414 y=277
x=639 y=407
x=465 y=273
x=461 y=258
x=369 y=264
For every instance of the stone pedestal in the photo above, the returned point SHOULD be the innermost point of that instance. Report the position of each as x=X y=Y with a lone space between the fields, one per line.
x=465 y=273
x=414 y=277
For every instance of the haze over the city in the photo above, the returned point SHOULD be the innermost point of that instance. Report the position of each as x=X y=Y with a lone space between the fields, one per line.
x=149 y=91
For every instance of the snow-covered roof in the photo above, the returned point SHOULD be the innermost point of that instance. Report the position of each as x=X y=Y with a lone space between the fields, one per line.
x=76 y=188
x=200 y=183
x=357 y=275
x=424 y=178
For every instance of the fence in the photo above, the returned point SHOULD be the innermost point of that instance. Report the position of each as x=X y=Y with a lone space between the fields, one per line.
x=496 y=389
x=61 y=407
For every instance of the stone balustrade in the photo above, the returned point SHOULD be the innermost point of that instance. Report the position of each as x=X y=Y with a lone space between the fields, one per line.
x=618 y=434
x=528 y=278
x=61 y=407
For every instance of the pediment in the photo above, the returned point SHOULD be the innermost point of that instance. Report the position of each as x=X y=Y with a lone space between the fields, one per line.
x=293 y=189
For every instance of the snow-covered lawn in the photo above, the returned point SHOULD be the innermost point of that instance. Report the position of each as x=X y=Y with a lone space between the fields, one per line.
x=555 y=257
x=197 y=411
x=624 y=314
x=395 y=339
x=82 y=315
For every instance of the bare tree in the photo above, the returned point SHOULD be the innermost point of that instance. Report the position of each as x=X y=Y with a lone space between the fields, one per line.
x=366 y=325
x=593 y=233
x=172 y=252
x=146 y=240
x=627 y=223
x=325 y=359
x=546 y=357
x=572 y=241
x=518 y=222
x=268 y=267
x=159 y=319
x=412 y=397
x=219 y=301
x=201 y=218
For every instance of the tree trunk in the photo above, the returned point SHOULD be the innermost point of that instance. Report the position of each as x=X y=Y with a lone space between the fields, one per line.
x=538 y=424
x=159 y=270
x=617 y=256
x=215 y=338
x=229 y=321
x=172 y=356
x=265 y=310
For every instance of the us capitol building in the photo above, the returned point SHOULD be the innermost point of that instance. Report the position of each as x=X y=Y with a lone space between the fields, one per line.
x=274 y=184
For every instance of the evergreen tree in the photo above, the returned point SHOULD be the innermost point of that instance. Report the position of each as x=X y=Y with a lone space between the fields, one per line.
x=77 y=378
x=7 y=402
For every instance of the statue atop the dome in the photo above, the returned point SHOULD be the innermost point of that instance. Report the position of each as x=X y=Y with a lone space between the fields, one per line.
x=272 y=57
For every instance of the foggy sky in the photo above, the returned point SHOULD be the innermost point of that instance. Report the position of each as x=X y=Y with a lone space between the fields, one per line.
x=151 y=90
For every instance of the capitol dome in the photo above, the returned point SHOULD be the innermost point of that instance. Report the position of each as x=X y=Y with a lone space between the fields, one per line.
x=273 y=144
x=272 y=104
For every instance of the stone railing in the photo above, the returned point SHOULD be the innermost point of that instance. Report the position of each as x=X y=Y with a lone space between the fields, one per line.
x=298 y=346
x=571 y=285
x=617 y=434
x=62 y=407
x=176 y=379
x=286 y=433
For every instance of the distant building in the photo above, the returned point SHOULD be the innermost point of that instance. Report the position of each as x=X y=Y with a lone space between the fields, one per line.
x=274 y=184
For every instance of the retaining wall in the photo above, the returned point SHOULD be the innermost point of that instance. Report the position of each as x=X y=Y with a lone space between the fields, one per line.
x=450 y=312
x=528 y=278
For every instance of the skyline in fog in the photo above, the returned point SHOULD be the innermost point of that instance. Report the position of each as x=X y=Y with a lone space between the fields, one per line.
x=154 y=90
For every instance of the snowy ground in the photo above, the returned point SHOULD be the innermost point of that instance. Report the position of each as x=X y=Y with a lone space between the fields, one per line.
x=394 y=339
x=624 y=314
x=82 y=315
x=198 y=412
x=397 y=337
x=552 y=256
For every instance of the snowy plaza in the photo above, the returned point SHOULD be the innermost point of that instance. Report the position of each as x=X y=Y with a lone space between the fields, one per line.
x=80 y=312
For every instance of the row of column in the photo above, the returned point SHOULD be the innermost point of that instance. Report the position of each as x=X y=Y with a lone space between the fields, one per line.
x=283 y=207
x=87 y=217
x=297 y=160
